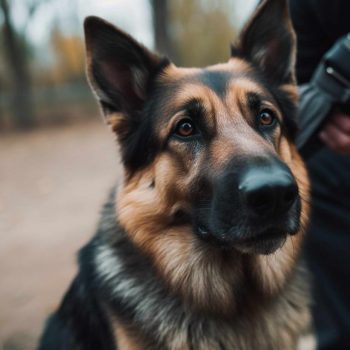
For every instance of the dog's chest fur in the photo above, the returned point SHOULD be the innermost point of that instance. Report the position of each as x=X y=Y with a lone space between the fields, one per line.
x=145 y=315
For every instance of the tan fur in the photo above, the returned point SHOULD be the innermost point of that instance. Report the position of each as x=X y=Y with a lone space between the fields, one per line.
x=276 y=268
x=234 y=65
x=176 y=263
x=184 y=263
x=145 y=211
x=292 y=91
x=124 y=340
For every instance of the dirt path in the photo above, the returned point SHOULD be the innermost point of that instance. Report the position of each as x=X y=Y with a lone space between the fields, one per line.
x=52 y=185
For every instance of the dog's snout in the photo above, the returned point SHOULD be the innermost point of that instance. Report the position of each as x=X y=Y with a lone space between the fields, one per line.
x=268 y=192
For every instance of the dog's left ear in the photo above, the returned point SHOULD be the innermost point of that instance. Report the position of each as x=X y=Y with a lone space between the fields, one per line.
x=119 y=70
x=268 y=41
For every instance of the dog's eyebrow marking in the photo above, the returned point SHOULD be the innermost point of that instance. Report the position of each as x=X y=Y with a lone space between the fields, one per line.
x=255 y=101
x=191 y=107
x=194 y=107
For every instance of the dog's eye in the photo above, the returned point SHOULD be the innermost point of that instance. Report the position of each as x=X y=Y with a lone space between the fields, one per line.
x=185 y=128
x=266 y=118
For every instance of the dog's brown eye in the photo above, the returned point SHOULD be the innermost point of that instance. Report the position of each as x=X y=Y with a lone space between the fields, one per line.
x=185 y=128
x=266 y=118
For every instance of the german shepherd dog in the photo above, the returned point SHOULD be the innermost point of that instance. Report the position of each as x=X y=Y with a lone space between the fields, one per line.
x=198 y=246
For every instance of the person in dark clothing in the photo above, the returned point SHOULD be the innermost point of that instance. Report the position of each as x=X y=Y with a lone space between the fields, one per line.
x=319 y=24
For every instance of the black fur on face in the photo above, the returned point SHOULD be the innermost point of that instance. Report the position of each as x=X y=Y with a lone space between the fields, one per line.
x=121 y=73
x=268 y=41
x=125 y=77
x=200 y=160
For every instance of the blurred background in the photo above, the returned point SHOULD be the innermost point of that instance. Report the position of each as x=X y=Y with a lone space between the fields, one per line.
x=57 y=159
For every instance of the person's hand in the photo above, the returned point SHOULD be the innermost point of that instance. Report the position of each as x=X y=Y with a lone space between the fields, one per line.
x=336 y=132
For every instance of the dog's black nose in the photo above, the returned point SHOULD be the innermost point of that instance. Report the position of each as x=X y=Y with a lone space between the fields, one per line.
x=268 y=192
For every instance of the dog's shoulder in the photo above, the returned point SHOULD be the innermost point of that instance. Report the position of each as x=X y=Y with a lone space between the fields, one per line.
x=81 y=321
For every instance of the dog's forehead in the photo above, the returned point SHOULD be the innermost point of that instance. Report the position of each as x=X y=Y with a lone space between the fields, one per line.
x=219 y=82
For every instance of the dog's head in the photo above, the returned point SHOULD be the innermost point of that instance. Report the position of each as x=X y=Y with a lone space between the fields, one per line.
x=211 y=170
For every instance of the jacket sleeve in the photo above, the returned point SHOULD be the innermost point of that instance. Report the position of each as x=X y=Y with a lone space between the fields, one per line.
x=314 y=106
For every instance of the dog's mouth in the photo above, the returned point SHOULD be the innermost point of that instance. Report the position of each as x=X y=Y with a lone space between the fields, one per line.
x=263 y=242
x=247 y=238
x=235 y=228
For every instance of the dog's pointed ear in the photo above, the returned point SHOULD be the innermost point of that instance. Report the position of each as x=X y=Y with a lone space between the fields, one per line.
x=268 y=41
x=119 y=70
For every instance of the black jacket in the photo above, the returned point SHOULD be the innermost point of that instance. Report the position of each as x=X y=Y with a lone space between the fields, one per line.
x=319 y=23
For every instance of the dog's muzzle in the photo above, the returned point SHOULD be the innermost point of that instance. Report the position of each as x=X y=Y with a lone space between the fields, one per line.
x=255 y=205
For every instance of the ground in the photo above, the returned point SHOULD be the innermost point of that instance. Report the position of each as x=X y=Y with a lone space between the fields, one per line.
x=53 y=183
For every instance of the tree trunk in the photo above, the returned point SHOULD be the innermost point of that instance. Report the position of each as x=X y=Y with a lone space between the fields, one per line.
x=161 y=18
x=22 y=104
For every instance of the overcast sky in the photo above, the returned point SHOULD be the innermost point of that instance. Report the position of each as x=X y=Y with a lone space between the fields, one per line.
x=132 y=15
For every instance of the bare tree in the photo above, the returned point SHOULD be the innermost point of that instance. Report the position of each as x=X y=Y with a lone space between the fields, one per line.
x=22 y=104
x=161 y=20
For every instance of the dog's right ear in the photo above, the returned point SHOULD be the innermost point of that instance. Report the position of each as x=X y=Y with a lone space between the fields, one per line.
x=119 y=70
x=268 y=41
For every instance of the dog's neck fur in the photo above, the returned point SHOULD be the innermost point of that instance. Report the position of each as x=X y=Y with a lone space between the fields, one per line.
x=161 y=319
